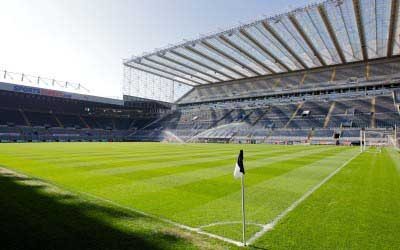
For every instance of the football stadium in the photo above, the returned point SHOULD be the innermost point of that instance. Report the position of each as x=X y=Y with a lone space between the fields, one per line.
x=310 y=97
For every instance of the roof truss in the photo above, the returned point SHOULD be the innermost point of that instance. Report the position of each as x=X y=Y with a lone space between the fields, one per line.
x=324 y=34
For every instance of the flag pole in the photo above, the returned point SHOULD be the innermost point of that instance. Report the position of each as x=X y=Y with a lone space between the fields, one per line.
x=239 y=172
x=243 y=213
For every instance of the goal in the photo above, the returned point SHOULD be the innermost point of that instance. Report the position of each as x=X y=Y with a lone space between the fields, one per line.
x=378 y=138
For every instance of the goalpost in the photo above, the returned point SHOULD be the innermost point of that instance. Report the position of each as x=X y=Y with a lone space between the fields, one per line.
x=377 y=138
x=395 y=141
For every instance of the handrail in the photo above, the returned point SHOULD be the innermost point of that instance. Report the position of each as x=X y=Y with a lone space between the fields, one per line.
x=22 y=78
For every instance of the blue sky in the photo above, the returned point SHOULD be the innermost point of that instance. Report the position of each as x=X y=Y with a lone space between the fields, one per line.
x=85 y=40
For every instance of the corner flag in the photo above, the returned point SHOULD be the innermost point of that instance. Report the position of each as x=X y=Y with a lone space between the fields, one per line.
x=239 y=168
x=239 y=173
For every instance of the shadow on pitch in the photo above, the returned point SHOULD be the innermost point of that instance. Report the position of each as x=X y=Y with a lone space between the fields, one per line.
x=257 y=247
x=35 y=215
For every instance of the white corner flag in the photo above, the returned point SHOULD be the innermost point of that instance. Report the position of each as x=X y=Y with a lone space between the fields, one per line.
x=239 y=168
x=239 y=173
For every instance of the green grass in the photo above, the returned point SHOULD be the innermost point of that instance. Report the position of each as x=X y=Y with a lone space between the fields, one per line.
x=192 y=184
x=358 y=209
x=38 y=215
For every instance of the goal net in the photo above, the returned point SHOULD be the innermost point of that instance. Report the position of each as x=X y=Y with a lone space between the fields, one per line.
x=377 y=138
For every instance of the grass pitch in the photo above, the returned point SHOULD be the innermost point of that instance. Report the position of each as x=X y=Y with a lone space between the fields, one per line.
x=193 y=185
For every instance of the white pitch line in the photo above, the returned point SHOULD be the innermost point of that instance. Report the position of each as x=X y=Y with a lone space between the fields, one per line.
x=272 y=224
x=230 y=222
x=182 y=226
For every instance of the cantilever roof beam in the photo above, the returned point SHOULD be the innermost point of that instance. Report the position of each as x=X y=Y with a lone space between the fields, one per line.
x=328 y=33
x=264 y=49
x=159 y=75
x=328 y=25
x=167 y=72
x=303 y=34
x=392 y=27
x=189 y=67
x=176 y=69
x=284 y=44
x=222 y=53
x=278 y=46
x=360 y=26
x=214 y=61
x=178 y=54
x=246 y=54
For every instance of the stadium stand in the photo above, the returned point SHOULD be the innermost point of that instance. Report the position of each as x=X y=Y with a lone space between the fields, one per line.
x=325 y=105
x=314 y=85
x=322 y=117
x=26 y=117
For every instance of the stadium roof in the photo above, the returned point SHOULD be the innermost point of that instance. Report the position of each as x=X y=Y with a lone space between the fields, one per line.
x=329 y=33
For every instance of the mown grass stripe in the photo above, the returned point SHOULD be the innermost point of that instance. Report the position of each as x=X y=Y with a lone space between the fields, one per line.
x=272 y=224
x=267 y=199
x=191 y=184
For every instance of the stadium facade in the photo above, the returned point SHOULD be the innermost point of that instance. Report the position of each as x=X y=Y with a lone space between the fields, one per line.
x=318 y=74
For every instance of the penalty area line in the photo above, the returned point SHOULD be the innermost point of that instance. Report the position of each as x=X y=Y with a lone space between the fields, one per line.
x=274 y=222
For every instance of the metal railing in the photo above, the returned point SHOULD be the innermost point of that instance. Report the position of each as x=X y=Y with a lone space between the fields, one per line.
x=38 y=81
